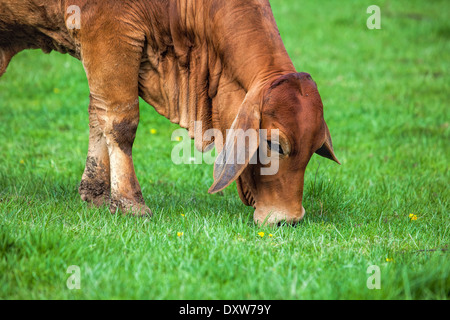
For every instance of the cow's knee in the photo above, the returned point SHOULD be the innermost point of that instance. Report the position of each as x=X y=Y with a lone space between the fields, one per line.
x=122 y=133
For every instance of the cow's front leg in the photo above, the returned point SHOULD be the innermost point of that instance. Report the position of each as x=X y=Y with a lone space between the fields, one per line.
x=95 y=183
x=111 y=53
x=119 y=122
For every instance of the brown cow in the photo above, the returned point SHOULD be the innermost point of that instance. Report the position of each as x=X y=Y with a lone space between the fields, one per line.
x=219 y=62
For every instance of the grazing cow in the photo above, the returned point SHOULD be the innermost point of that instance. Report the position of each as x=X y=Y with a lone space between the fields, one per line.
x=221 y=62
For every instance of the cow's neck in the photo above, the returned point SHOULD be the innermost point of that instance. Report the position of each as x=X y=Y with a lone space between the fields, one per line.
x=218 y=51
x=244 y=35
x=251 y=52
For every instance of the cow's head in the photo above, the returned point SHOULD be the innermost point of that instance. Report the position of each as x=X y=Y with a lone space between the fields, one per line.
x=291 y=112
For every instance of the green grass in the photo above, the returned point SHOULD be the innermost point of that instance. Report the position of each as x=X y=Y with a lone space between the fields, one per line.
x=386 y=97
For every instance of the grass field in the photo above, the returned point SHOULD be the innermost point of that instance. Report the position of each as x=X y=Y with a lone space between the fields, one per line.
x=386 y=96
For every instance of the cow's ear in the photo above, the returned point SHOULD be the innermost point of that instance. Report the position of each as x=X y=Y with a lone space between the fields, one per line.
x=240 y=147
x=326 y=150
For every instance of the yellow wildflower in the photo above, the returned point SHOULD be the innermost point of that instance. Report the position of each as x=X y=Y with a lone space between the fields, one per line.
x=412 y=216
x=270 y=235
x=22 y=161
x=179 y=234
x=153 y=131
x=389 y=259
x=182 y=214
x=261 y=234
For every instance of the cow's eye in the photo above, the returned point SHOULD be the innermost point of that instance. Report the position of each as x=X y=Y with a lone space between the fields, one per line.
x=276 y=147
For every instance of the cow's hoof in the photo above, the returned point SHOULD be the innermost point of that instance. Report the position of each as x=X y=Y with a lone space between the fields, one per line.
x=126 y=206
x=95 y=194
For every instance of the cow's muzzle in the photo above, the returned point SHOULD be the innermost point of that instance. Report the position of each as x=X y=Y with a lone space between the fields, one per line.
x=269 y=216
